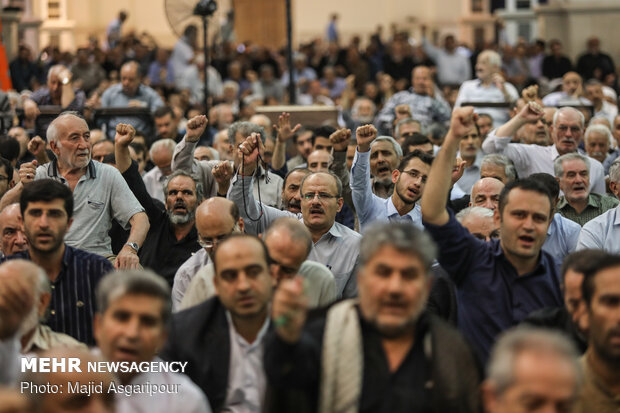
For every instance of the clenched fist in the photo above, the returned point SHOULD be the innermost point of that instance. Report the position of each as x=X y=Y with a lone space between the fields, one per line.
x=364 y=136
x=195 y=127
x=27 y=172
x=124 y=134
x=340 y=139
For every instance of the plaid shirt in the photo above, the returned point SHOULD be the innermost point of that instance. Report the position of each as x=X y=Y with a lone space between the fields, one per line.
x=597 y=204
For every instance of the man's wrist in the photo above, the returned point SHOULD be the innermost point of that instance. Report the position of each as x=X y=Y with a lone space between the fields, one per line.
x=132 y=246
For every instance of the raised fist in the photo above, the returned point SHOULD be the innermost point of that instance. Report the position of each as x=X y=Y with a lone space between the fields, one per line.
x=364 y=136
x=124 y=134
x=340 y=139
x=195 y=127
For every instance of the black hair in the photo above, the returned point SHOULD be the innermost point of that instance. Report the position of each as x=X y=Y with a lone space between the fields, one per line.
x=526 y=184
x=7 y=167
x=414 y=140
x=9 y=148
x=423 y=156
x=163 y=111
x=581 y=261
x=46 y=190
x=323 y=131
x=549 y=182
x=240 y=235
x=306 y=172
x=602 y=263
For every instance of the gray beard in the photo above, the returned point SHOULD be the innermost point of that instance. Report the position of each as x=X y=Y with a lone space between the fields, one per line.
x=181 y=219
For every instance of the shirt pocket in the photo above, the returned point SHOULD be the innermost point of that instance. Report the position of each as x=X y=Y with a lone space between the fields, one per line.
x=95 y=204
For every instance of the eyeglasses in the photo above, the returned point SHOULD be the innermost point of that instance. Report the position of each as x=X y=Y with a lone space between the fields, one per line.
x=415 y=174
x=209 y=243
x=322 y=196
x=573 y=129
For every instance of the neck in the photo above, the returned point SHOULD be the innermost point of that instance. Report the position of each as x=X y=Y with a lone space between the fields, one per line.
x=51 y=262
x=578 y=204
x=486 y=81
x=522 y=265
x=608 y=372
x=401 y=206
x=67 y=171
x=248 y=328
x=181 y=230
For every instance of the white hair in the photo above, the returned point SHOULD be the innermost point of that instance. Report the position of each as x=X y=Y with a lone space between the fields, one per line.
x=168 y=144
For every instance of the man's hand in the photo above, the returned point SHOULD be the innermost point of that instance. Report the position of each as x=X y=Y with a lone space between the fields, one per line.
x=531 y=112
x=36 y=145
x=289 y=310
x=31 y=109
x=364 y=136
x=27 y=172
x=340 y=139
x=457 y=171
x=124 y=134
x=462 y=122
x=530 y=93
x=283 y=128
x=498 y=81
x=127 y=259
x=195 y=127
x=223 y=173
x=249 y=150
x=16 y=301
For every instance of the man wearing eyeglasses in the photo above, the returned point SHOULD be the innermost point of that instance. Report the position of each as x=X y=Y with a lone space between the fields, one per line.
x=216 y=219
x=335 y=245
x=566 y=133
x=408 y=179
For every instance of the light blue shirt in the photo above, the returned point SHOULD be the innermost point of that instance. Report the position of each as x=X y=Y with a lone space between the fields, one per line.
x=370 y=207
x=561 y=238
x=603 y=232
x=337 y=249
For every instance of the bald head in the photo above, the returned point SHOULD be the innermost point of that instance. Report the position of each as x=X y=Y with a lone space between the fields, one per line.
x=485 y=193
x=216 y=218
x=11 y=230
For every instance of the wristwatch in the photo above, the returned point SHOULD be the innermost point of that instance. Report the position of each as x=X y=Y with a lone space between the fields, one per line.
x=66 y=81
x=134 y=246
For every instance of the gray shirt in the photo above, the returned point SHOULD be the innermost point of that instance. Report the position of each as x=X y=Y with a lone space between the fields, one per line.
x=100 y=195
x=337 y=249
x=114 y=97
x=603 y=232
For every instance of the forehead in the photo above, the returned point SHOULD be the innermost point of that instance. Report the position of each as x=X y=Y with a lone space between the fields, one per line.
x=166 y=118
x=320 y=182
x=608 y=281
x=491 y=167
x=477 y=222
x=129 y=71
x=238 y=253
x=181 y=182
x=382 y=146
x=137 y=303
x=528 y=200
x=483 y=120
x=53 y=204
x=574 y=164
x=318 y=156
x=388 y=255
x=420 y=72
x=568 y=117
x=295 y=178
x=409 y=127
x=214 y=222
x=597 y=136
x=572 y=78
x=304 y=136
x=11 y=217
x=417 y=164
x=70 y=124
x=324 y=140
x=489 y=187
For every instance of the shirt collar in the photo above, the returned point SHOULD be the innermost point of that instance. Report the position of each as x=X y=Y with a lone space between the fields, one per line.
x=52 y=169
x=617 y=213
x=335 y=231
x=259 y=337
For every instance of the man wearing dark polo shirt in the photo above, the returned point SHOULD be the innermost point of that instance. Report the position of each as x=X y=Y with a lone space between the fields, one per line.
x=172 y=236
x=47 y=208
x=500 y=282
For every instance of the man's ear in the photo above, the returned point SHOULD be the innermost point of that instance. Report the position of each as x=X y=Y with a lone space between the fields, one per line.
x=395 y=175
x=340 y=204
x=69 y=223
x=44 y=301
x=54 y=147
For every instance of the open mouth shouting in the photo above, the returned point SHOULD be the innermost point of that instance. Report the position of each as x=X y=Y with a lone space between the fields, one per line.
x=316 y=211
x=526 y=241
x=383 y=170
x=294 y=206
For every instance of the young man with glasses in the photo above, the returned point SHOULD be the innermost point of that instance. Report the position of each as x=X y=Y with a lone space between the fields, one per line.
x=335 y=245
x=409 y=180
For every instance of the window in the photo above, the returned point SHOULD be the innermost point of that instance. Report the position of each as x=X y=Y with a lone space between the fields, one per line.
x=477 y=6
x=524 y=4
x=53 y=9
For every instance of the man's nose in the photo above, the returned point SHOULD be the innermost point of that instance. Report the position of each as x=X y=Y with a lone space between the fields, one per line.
x=20 y=239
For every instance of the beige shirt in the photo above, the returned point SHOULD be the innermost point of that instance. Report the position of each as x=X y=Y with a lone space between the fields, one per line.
x=44 y=338
x=595 y=396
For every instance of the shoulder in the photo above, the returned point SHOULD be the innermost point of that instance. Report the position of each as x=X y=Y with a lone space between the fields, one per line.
x=196 y=260
x=568 y=226
x=78 y=255
x=347 y=232
x=112 y=90
x=200 y=314
x=315 y=270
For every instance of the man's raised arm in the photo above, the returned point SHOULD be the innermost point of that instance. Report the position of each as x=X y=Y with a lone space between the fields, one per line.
x=440 y=177
x=498 y=140
x=284 y=134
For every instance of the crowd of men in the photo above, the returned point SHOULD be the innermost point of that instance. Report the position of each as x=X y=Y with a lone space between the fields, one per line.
x=426 y=253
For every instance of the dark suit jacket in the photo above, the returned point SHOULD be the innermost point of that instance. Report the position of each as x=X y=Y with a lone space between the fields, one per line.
x=200 y=336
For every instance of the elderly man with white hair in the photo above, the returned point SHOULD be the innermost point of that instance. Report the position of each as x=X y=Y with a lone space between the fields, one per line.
x=597 y=141
x=603 y=232
x=479 y=222
x=161 y=155
x=489 y=86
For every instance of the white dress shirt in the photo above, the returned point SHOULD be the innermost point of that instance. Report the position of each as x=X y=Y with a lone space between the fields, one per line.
x=247 y=382
x=474 y=91
x=602 y=232
x=154 y=183
x=530 y=159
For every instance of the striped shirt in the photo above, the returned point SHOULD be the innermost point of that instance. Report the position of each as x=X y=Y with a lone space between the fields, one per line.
x=72 y=306
x=597 y=204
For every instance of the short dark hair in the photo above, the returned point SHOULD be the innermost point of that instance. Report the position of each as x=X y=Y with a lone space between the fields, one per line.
x=323 y=131
x=7 y=167
x=239 y=235
x=301 y=131
x=414 y=140
x=305 y=171
x=526 y=184
x=549 y=181
x=581 y=261
x=602 y=263
x=163 y=111
x=423 y=156
x=138 y=147
x=9 y=148
x=46 y=190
